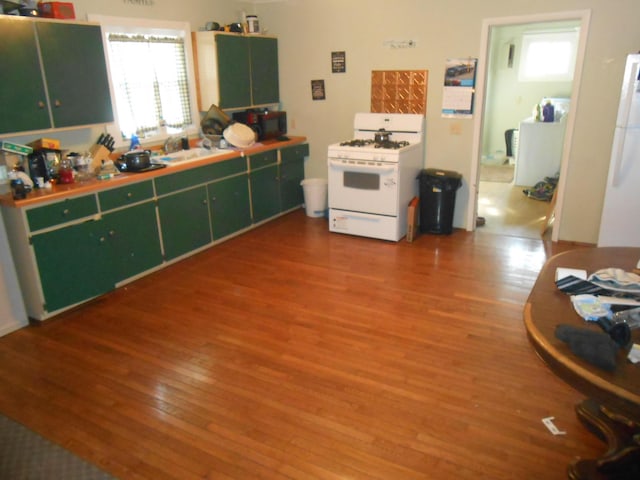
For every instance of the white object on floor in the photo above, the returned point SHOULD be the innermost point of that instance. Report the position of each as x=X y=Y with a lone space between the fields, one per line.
x=548 y=422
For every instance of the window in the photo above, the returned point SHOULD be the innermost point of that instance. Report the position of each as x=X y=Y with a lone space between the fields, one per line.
x=548 y=57
x=151 y=76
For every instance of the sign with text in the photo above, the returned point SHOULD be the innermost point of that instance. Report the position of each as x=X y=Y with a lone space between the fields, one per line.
x=338 y=62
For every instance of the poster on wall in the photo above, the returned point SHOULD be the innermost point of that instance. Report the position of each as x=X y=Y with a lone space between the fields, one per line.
x=338 y=62
x=459 y=87
x=317 y=90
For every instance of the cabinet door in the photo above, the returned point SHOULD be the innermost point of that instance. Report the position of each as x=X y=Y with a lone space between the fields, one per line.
x=73 y=264
x=74 y=65
x=233 y=71
x=22 y=97
x=291 y=174
x=230 y=206
x=265 y=193
x=264 y=70
x=134 y=240
x=184 y=221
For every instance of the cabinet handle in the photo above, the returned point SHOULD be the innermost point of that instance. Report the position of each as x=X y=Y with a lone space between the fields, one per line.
x=129 y=195
x=65 y=212
x=41 y=104
x=204 y=201
x=57 y=103
x=102 y=239
x=112 y=233
x=213 y=199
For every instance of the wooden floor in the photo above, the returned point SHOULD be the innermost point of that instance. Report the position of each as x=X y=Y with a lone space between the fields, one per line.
x=508 y=211
x=293 y=353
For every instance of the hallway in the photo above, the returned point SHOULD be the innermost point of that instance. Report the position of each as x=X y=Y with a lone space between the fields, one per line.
x=508 y=211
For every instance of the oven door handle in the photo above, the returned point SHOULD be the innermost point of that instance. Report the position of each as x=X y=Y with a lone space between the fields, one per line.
x=361 y=168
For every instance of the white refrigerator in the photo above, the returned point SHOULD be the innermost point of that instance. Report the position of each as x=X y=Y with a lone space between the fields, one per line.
x=620 y=221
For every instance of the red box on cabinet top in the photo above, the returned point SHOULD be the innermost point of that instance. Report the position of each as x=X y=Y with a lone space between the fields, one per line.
x=63 y=10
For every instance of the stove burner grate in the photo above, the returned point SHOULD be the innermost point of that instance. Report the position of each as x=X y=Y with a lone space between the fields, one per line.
x=360 y=142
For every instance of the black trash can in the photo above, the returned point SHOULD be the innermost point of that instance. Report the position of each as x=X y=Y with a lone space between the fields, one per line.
x=438 y=199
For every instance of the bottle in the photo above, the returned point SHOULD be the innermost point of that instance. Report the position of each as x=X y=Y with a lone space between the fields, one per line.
x=538 y=113
x=65 y=172
x=253 y=26
x=548 y=114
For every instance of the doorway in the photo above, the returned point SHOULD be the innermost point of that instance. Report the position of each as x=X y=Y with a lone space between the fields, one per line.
x=503 y=102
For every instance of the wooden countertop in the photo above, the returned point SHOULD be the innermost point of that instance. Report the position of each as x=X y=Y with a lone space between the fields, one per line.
x=59 y=191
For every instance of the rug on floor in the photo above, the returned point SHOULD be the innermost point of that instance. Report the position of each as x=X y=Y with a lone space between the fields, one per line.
x=496 y=173
x=25 y=455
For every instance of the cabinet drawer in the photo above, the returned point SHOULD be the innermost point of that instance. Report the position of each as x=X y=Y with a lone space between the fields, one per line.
x=121 y=196
x=294 y=153
x=200 y=175
x=263 y=159
x=62 y=212
x=228 y=167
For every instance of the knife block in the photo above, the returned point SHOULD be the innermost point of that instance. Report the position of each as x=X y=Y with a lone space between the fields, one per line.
x=99 y=153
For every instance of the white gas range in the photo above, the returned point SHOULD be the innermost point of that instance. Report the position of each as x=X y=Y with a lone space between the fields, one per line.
x=371 y=181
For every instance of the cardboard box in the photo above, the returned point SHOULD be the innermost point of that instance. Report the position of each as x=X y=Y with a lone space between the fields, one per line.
x=412 y=219
x=62 y=10
x=50 y=143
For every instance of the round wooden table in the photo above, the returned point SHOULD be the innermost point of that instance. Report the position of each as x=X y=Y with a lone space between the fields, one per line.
x=612 y=408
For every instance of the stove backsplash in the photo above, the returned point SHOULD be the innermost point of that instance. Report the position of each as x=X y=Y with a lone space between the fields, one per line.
x=399 y=91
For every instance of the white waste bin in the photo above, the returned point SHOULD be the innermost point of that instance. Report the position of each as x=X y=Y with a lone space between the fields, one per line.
x=315 y=196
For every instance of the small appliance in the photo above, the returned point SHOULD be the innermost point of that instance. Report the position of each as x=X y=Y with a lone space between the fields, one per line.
x=267 y=124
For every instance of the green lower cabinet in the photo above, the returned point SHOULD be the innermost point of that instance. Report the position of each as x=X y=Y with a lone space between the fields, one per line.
x=291 y=174
x=133 y=240
x=230 y=206
x=265 y=193
x=73 y=263
x=184 y=221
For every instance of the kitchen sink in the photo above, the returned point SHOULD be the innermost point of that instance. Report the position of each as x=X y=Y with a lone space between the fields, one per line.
x=184 y=156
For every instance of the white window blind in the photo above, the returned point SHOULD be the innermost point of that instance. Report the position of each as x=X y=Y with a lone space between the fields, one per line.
x=150 y=81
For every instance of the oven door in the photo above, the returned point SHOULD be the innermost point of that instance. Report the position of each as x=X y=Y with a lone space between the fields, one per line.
x=363 y=186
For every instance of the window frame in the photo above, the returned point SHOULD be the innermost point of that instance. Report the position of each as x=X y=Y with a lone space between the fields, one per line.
x=112 y=24
x=529 y=38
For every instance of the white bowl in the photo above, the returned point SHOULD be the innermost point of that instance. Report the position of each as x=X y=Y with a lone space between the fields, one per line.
x=239 y=135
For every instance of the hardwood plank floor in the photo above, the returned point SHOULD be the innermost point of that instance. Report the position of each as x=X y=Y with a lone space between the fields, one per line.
x=292 y=353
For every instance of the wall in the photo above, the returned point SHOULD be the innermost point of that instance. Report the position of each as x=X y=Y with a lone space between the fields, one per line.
x=309 y=30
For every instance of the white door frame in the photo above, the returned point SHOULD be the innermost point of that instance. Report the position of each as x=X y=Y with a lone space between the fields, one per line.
x=584 y=16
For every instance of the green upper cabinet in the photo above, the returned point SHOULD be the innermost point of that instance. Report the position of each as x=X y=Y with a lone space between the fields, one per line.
x=23 y=101
x=74 y=64
x=233 y=71
x=236 y=71
x=71 y=61
x=264 y=70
